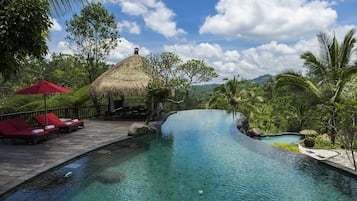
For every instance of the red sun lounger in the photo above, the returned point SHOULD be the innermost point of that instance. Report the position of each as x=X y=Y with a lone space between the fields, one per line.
x=67 y=126
x=22 y=125
x=18 y=129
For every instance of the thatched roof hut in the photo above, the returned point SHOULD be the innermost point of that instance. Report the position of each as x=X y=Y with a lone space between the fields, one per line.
x=126 y=78
x=308 y=132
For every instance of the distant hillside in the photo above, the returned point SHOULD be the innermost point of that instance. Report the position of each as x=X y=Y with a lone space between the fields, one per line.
x=206 y=90
x=261 y=79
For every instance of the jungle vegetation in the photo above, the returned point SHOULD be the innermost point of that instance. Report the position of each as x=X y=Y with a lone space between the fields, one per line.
x=322 y=99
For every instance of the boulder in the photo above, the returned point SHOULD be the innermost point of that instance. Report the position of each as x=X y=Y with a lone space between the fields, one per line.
x=140 y=129
x=255 y=132
x=243 y=124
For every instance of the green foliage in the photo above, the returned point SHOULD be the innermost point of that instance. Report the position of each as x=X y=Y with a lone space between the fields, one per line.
x=172 y=80
x=94 y=34
x=23 y=28
x=289 y=147
x=62 y=70
x=322 y=143
x=329 y=78
x=60 y=7
x=238 y=95
x=68 y=70
x=12 y=103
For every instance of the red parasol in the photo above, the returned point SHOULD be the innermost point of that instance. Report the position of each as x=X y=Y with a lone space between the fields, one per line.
x=44 y=87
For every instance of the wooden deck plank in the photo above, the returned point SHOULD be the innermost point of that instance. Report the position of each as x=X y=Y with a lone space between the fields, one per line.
x=21 y=162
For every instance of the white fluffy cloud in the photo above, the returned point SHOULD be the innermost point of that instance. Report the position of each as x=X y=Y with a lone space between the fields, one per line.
x=55 y=25
x=63 y=47
x=269 y=58
x=155 y=14
x=269 y=20
x=125 y=49
x=132 y=27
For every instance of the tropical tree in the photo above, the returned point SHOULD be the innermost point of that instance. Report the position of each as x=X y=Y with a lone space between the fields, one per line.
x=60 y=7
x=170 y=74
x=24 y=30
x=328 y=75
x=92 y=34
x=172 y=79
x=65 y=69
x=237 y=96
x=22 y=25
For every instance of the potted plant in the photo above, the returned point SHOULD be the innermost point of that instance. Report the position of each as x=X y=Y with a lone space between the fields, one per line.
x=310 y=135
x=309 y=141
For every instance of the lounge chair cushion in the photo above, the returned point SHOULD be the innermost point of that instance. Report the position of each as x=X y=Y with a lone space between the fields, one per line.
x=17 y=127
x=39 y=130
x=49 y=127
x=54 y=120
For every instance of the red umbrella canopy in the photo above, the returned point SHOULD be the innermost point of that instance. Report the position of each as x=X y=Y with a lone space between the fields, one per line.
x=43 y=87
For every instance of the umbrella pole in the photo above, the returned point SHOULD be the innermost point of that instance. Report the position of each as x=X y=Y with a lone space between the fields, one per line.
x=44 y=99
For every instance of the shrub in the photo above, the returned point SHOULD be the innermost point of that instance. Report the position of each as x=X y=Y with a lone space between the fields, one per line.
x=322 y=143
x=289 y=147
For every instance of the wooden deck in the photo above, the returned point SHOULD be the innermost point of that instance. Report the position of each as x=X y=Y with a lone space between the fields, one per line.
x=21 y=162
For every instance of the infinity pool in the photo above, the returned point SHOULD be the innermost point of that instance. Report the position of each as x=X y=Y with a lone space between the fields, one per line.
x=200 y=155
x=287 y=138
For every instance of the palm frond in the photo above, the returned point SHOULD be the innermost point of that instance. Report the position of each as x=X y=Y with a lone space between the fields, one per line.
x=296 y=79
x=61 y=7
x=324 y=42
x=346 y=48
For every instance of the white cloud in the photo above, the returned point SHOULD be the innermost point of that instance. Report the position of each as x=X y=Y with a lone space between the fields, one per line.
x=125 y=49
x=133 y=8
x=270 y=58
x=155 y=14
x=132 y=27
x=55 y=25
x=269 y=20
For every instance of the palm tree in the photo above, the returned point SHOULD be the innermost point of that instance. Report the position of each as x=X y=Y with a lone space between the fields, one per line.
x=59 y=7
x=328 y=75
x=233 y=96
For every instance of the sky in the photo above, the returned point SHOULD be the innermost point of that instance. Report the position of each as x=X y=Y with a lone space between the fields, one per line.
x=249 y=38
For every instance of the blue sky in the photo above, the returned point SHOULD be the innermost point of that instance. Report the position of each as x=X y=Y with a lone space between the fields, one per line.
x=246 y=37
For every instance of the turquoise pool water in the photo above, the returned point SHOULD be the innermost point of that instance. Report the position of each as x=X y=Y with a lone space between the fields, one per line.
x=287 y=138
x=199 y=156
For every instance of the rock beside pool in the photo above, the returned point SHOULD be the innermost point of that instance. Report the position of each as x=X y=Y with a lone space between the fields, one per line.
x=255 y=132
x=243 y=124
x=141 y=129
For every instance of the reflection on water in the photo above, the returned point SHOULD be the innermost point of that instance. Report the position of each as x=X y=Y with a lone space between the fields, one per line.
x=199 y=156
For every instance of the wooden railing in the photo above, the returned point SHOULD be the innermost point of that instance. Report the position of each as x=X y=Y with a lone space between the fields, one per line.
x=73 y=112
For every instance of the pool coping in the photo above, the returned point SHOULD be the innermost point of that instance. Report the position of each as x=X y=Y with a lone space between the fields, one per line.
x=14 y=184
x=328 y=159
x=28 y=177
x=325 y=160
x=50 y=166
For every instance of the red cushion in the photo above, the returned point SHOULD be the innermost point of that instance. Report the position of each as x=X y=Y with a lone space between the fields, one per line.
x=6 y=127
x=16 y=127
x=52 y=120
x=20 y=124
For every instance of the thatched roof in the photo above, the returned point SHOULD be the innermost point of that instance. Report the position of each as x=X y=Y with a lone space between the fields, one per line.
x=308 y=132
x=126 y=78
